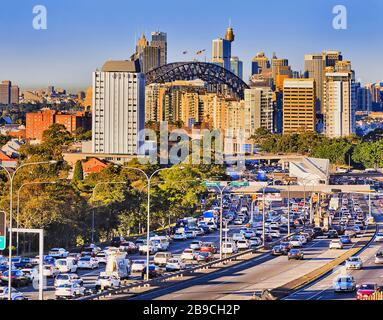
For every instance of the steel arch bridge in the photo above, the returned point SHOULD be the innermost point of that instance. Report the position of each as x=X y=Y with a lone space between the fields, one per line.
x=219 y=79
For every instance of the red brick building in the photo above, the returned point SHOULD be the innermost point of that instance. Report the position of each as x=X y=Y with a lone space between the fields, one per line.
x=38 y=122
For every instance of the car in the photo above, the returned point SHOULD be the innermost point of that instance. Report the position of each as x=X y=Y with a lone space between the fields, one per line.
x=199 y=232
x=30 y=273
x=349 y=231
x=344 y=284
x=345 y=239
x=357 y=229
x=354 y=263
x=208 y=247
x=295 y=254
x=190 y=234
x=204 y=256
x=90 y=250
x=154 y=272
x=212 y=226
x=196 y=245
x=229 y=247
x=66 y=265
x=129 y=247
x=144 y=248
x=67 y=278
x=180 y=236
x=161 y=258
x=137 y=266
x=18 y=278
x=101 y=257
x=238 y=236
x=365 y=290
x=175 y=264
x=255 y=242
x=50 y=270
x=249 y=234
x=332 y=234
x=15 y=295
x=379 y=237
x=20 y=262
x=295 y=242
x=318 y=232
x=188 y=254
x=379 y=257
x=116 y=241
x=238 y=221
x=69 y=290
x=286 y=246
x=275 y=233
x=107 y=281
x=161 y=242
x=278 y=250
x=74 y=255
x=58 y=253
x=243 y=244
x=336 y=244
x=87 y=263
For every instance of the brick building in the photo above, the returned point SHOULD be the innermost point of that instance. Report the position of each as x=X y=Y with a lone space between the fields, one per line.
x=38 y=122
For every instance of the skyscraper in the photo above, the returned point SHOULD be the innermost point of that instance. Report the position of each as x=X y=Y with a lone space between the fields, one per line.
x=148 y=56
x=258 y=110
x=259 y=63
x=314 y=68
x=159 y=40
x=5 y=92
x=118 y=108
x=339 y=108
x=221 y=53
x=15 y=92
x=298 y=105
x=331 y=57
x=278 y=64
x=236 y=66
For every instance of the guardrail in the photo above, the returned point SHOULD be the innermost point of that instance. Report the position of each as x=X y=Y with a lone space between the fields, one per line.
x=179 y=274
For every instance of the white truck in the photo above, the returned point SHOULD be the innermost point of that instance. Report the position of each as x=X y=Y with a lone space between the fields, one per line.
x=117 y=265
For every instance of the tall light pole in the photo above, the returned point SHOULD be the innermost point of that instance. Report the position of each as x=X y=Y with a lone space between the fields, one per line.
x=18 y=206
x=288 y=209
x=94 y=192
x=263 y=216
x=148 y=179
x=11 y=177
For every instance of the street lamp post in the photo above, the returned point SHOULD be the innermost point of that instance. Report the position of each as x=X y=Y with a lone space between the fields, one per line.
x=263 y=216
x=18 y=207
x=288 y=209
x=11 y=177
x=94 y=192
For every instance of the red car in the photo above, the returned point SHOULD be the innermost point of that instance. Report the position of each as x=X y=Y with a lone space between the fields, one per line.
x=366 y=290
x=208 y=247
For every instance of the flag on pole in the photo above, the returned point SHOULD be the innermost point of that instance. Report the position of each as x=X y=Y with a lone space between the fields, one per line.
x=201 y=51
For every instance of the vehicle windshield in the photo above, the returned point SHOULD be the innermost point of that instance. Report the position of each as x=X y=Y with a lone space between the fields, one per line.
x=62 y=277
x=367 y=287
x=85 y=259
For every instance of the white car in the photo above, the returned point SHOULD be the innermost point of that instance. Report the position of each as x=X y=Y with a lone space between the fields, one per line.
x=196 y=245
x=180 y=236
x=15 y=295
x=243 y=244
x=69 y=290
x=30 y=273
x=238 y=221
x=188 y=254
x=229 y=248
x=379 y=257
x=66 y=278
x=58 y=253
x=295 y=243
x=66 y=265
x=175 y=264
x=162 y=243
x=238 y=236
x=106 y=281
x=143 y=248
x=190 y=234
x=137 y=266
x=101 y=257
x=161 y=258
x=336 y=244
x=87 y=263
x=255 y=242
x=379 y=237
x=344 y=284
x=302 y=238
x=354 y=263
x=50 y=270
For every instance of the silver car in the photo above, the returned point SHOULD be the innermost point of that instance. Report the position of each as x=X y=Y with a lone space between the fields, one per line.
x=344 y=284
x=354 y=263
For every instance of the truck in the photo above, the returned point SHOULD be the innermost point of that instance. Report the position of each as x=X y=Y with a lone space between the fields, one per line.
x=117 y=265
x=208 y=216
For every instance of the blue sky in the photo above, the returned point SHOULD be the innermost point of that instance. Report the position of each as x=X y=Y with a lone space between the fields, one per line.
x=82 y=34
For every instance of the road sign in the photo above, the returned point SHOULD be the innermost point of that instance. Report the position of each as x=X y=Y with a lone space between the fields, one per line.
x=3 y=238
x=239 y=184
x=211 y=184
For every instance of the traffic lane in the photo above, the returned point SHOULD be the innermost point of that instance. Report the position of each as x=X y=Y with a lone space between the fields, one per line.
x=174 y=291
x=243 y=283
x=322 y=289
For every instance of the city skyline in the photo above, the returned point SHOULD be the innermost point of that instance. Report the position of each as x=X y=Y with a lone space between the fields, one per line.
x=68 y=52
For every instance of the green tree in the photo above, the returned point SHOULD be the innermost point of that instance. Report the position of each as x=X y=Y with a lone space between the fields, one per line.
x=78 y=173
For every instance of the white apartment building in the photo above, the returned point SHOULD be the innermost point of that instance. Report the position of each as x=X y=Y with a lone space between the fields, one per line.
x=118 y=112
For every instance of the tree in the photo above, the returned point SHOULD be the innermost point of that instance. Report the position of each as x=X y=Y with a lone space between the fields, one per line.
x=78 y=173
x=57 y=134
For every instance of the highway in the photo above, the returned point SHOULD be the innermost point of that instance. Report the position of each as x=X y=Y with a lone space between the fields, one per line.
x=371 y=273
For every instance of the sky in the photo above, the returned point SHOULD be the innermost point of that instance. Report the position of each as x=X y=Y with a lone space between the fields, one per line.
x=82 y=34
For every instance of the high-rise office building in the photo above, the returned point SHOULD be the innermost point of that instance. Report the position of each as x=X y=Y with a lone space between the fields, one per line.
x=343 y=66
x=236 y=66
x=5 y=92
x=259 y=63
x=298 y=105
x=364 y=98
x=339 y=108
x=331 y=57
x=258 y=110
x=159 y=39
x=221 y=53
x=148 y=56
x=314 y=68
x=278 y=64
x=118 y=108
x=15 y=93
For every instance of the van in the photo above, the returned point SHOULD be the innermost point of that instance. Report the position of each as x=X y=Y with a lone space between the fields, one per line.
x=68 y=265
x=161 y=258
x=238 y=236
x=229 y=248
x=162 y=243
